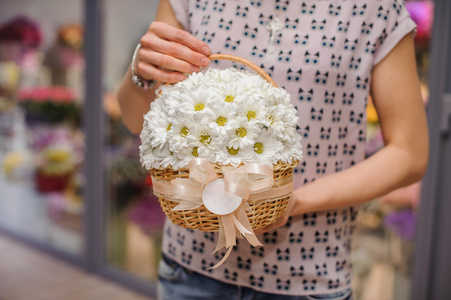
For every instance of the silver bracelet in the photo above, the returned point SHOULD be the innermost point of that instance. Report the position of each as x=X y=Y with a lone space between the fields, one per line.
x=140 y=82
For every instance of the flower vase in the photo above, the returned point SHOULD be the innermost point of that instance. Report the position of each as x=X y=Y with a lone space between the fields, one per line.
x=51 y=183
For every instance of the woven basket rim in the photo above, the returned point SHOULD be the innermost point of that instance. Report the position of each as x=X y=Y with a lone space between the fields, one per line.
x=293 y=163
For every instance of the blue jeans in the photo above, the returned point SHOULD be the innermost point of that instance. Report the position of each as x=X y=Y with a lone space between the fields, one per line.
x=178 y=283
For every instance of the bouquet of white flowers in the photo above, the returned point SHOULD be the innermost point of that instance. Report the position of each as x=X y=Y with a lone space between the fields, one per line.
x=225 y=116
x=222 y=123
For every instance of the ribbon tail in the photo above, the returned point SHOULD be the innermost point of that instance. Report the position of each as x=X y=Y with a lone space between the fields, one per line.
x=229 y=230
x=240 y=227
x=223 y=259
x=221 y=238
x=228 y=234
x=251 y=237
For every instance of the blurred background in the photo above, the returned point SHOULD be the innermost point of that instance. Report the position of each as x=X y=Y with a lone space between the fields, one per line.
x=60 y=64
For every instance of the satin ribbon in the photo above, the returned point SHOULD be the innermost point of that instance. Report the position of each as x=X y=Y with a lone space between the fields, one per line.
x=251 y=182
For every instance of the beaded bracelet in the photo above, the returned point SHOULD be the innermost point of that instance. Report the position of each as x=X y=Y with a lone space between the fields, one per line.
x=140 y=82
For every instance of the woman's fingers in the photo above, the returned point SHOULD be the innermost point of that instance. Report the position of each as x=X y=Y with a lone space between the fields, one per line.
x=177 y=43
x=166 y=61
x=179 y=36
x=156 y=43
x=174 y=50
x=149 y=71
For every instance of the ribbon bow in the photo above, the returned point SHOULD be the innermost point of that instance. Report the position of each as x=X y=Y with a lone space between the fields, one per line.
x=226 y=197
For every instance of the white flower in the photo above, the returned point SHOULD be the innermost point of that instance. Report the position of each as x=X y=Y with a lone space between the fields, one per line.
x=197 y=100
x=292 y=150
x=266 y=147
x=253 y=108
x=274 y=122
x=230 y=93
x=229 y=155
x=219 y=117
x=180 y=129
x=193 y=80
x=158 y=127
x=206 y=141
x=244 y=132
x=169 y=102
x=255 y=82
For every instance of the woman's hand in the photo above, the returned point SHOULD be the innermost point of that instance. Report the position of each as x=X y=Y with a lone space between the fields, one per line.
x=167 y=52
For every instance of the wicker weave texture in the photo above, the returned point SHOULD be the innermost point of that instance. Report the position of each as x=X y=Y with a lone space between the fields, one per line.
x=263 y=213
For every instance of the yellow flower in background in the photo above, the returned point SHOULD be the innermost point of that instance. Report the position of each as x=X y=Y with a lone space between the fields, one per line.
x=371 y=114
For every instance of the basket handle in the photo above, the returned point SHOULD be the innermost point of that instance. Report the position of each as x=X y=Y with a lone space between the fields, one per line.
x=260 y=71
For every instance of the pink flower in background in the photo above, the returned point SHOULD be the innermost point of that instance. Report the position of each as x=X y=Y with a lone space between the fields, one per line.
x=47 y=93
x=56 y=204
x=422 y=13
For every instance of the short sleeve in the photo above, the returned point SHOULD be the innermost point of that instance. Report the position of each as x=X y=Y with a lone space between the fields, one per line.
x=181 y=10
x=398 y=25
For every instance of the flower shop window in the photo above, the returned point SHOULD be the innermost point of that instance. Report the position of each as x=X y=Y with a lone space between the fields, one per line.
x=41 y=141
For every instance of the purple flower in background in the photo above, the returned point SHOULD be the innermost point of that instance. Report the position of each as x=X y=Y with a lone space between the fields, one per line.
x=21 y=29
x=147 y=214
x=422 y=13
x=402 y=222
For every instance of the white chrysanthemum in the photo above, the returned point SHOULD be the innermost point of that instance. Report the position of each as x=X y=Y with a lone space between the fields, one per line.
x=158 y=127
x=206 y=141
x=230 y=93
x=231 y=75
x=197 y=100
x=219 y=117
x=181 y=128
x=244 y=132
x=230 y=155
x=278 y=96
x=274 y=122
x=266 y=147
x=255 y=82
x=292 y=150
x=192 y=80
x=253 y=108
x=156 y=157
x=169 y=100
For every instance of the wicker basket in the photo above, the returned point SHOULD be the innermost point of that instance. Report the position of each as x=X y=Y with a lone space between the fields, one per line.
x=263 y=213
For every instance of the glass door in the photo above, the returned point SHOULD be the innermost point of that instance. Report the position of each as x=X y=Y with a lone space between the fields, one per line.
x=134 y=218
x=41 y=140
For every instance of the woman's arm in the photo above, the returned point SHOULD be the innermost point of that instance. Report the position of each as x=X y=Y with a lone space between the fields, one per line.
x=167 y=51
x=396 y=95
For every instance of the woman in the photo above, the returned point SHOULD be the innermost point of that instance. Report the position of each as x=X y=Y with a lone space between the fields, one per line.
x=329 y=55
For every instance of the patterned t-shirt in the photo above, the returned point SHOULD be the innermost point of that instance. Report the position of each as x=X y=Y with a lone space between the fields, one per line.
x=322 y=52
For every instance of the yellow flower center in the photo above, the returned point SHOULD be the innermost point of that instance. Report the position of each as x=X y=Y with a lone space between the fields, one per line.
x=251 y=115
x=241 y=132
x=169 y=127
x=184 y=132
x=199 y=106
x=271 y=119
x=205 y=138
x=258 y=148
x=229 y=98
x=221 y=121
x=195 y=152
x=233 y=151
